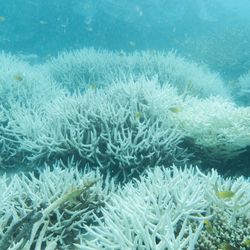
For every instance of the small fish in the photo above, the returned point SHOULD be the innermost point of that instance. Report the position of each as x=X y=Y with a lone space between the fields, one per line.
x=89 y=28
x=225 y=194
x=43 y=22
x=138 y=115
x=138 y=10
x=2 y=19
x=227 y=246
x=175 y=109
x=131 y=43
x=18 y=77
x=246 y=243
x=93 y=86
x=208 y=226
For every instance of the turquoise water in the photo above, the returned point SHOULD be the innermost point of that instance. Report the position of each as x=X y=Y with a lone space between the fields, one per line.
x=203 y=30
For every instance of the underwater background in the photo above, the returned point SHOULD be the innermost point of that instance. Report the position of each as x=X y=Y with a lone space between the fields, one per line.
x=125 y=124
x=213 y=32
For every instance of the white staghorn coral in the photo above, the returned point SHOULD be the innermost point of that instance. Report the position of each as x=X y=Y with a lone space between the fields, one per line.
x=231 y=194
x=229 y=206
x=126 y=128
x=169 y=209
x=52 y=206
x=217 y=125
x=132 y=122
x=23 y=83
x=81 y=69
x=152 y=213
x=128 y=124
x=119 y=128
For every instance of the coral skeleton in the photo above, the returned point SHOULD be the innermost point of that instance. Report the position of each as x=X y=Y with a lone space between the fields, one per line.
x=147 y=113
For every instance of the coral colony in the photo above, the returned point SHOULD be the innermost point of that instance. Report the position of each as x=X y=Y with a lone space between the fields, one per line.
x=105 y=150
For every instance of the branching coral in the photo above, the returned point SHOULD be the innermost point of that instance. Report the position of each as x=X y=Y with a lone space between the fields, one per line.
x=123 y=129
x=118 y=128
x=87 y=67
x=125 y=126
x=218 y=126
x=53 y=207
x=23 y=83
x=152 y=213
x=167 y=208
x=171 y=209
x=230 y=213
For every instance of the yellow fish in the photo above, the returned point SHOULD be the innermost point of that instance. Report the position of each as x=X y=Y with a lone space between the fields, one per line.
x=138 y=114
x=208 y=226
x=18 y=77
x=225 y=194
x=93 y=86
x=175 y=109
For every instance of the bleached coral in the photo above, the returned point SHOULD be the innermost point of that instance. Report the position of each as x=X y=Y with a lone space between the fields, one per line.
x=23 y=83
x=167 y=208
x=230 y=205
x=152 y=213
x=239 y=201
x=81 y=69
x=49 y=207
x=119 y=128
x=217 y=125
x=170 y=209
x=125 y=126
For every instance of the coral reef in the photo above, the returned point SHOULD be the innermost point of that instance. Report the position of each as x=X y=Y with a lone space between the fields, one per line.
x=116 y=128
x=86 y=133
x=49 y=208
x=24 y=84
x=129 y=123
x=173 y=209
x=125 y=126
x=217 y=126
x=84 y=68
x=166 y=208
